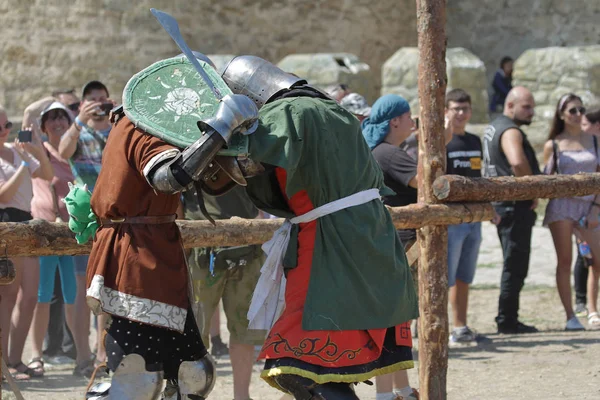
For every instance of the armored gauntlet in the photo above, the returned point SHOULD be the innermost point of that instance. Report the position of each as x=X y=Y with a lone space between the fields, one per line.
x=172 y=174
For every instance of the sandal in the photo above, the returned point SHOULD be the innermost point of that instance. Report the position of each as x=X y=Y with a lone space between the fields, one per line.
x=594 y=320
x=37 y=367
x=19 y=373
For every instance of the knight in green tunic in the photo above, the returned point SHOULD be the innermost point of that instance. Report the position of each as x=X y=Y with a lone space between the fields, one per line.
x=349 y=294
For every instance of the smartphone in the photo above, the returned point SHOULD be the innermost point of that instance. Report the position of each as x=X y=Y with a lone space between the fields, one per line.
x=24 y=136
x=105 y=108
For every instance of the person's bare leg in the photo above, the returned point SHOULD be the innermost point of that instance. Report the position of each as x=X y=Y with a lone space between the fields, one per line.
x=593 y=239
x=70 y=317
x=400 y=379
x=8 y=300
x=592 y=287
x=215 y=323
x=39 y=327
x=384 y=383
x=562 y=235
x=242 y=360
x=101 y=350
x=459 y=300
x=81 y=328
x=23 y=312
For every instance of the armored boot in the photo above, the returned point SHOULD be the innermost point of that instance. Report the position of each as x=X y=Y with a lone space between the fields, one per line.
x=196 y=380
x=306 y=389
x=132 y=381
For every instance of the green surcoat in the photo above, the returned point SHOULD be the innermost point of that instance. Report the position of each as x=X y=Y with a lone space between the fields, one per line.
x=359 y=276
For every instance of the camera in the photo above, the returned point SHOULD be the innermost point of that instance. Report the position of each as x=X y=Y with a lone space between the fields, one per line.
x=105 y=108
x=24 y=136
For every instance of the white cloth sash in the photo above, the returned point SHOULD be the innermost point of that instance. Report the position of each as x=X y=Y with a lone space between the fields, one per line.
x=268 y=299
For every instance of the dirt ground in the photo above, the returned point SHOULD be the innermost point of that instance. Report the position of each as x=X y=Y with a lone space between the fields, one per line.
x=552 y=364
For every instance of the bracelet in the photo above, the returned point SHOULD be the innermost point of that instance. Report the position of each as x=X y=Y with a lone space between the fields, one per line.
x=80 y=123
x=24 y=163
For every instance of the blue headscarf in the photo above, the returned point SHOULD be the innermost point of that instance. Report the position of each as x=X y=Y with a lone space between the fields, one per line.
x=376 y=127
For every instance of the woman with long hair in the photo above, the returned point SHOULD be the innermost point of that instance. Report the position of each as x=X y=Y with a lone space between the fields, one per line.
x=570 y=151
x=19 y=163
x=47 y=204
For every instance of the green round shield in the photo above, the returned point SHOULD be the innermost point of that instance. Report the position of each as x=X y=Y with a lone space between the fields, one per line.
x=168 y=98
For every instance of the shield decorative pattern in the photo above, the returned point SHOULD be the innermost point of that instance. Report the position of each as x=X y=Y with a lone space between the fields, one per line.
x=168 y=98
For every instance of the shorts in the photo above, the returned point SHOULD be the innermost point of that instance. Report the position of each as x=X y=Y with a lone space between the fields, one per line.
x=464 y=241
x=11 y=214
x=235 y=285
x=80 y=263
x=48 y=265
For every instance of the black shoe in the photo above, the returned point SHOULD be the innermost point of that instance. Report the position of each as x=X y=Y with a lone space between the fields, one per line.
x=519 y=328
x=217 y=347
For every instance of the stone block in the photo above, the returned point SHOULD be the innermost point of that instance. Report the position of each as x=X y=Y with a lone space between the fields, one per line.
x=463 y=69
x=557 y=71
x=327 y=69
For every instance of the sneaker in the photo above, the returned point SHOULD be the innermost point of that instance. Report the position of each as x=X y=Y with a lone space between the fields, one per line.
x=573 y=324
x=58 y=360
x=519 y=328
x=413 y=396
x=218 y=348
x=463 y=336
x=581 y=310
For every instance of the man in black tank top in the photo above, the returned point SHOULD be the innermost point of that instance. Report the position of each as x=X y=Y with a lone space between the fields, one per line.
x=507 y=152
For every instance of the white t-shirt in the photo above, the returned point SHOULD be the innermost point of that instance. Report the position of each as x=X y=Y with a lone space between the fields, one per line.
x=22 y=198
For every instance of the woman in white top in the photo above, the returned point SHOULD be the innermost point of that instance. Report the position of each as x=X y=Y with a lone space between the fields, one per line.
x=19 y=162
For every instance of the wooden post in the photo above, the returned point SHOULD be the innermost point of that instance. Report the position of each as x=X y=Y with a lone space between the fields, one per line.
x=433 y=240
x=454 y=188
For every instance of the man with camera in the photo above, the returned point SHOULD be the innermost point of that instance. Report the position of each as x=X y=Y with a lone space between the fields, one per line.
x=84 y=142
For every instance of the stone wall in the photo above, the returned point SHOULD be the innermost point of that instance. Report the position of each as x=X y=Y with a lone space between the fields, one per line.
x=463 y=69
x=552 y=72
x=46 y=45
x=492 y=29
x=328 y=69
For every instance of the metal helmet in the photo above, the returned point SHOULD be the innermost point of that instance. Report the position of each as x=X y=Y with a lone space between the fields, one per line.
x=257 y=78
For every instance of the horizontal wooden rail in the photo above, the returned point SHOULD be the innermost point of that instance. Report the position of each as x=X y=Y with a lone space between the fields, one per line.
x=455 y=188
x=41 y=238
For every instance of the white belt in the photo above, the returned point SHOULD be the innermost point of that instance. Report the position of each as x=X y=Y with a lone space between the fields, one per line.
x=268 y=300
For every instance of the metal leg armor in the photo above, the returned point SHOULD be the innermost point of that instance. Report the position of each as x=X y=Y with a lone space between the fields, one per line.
x=305 y=389
x=131 y=381
x=197 y=378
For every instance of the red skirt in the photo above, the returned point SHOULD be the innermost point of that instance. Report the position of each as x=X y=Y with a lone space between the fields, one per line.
x=326 y=356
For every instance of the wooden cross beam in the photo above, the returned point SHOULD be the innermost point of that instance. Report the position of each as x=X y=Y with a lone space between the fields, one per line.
x=42 y=238
x=454 y=188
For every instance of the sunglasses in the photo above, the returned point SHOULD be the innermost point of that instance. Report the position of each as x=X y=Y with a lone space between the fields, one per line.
x=74 y=106
x=575 y=110
x=8 y=126
x=54 y=115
